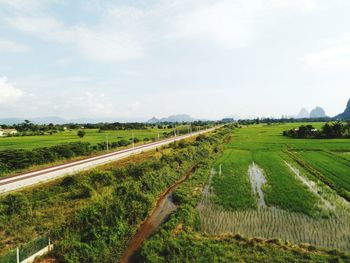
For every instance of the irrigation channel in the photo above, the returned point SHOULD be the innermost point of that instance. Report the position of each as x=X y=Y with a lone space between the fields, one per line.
x=163 y=209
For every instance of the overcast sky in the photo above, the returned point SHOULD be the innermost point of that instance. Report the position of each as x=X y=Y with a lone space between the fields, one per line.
x=131 y=60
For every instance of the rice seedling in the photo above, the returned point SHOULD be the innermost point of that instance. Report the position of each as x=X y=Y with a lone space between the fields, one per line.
x=271 y=222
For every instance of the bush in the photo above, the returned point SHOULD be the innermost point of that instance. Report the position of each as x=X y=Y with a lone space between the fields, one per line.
x=11 y=160
x=16 y=204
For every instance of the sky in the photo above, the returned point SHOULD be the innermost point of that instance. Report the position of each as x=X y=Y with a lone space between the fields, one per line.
x=135 y=59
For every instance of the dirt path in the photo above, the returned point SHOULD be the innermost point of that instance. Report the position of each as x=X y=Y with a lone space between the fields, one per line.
x=163 y=208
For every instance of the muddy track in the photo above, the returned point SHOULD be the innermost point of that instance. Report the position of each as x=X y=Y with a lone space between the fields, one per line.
x=163 y=208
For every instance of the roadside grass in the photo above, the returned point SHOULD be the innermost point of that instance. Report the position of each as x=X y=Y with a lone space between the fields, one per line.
x=92 y=214
x=232 y=188
x=54 y=203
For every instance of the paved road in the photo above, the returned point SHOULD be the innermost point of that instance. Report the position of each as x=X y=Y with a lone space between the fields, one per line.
x=11 y=183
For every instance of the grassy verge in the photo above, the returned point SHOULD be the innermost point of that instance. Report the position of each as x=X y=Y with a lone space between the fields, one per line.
x=92 y=215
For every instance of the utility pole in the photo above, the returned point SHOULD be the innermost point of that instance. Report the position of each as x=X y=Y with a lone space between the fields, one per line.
x=107 y=142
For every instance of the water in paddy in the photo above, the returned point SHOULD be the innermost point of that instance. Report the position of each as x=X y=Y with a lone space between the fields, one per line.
x=257 y=179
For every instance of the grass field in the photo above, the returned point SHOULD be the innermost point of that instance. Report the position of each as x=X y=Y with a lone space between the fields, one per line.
x=233 y=190
x=92 y=136
x=307 y=181
x=334 y=168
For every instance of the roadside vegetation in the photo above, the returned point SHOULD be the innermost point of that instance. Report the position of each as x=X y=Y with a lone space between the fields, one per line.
x=22 y=152
x=92 y=216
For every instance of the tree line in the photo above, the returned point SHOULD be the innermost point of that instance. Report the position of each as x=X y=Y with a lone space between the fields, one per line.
x=328 y=130
x=17 y=159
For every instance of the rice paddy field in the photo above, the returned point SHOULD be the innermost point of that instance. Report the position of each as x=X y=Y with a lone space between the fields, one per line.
x=271 y=186
x=92 y=136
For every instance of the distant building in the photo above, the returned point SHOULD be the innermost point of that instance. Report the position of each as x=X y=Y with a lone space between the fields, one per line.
x=7 y=132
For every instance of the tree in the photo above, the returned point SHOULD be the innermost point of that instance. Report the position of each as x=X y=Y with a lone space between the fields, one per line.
x=81 y=133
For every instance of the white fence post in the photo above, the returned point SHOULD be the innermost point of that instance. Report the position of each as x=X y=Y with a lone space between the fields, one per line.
x=17 y=255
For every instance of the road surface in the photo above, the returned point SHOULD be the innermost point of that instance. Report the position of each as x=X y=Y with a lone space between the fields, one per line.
x=12 y=183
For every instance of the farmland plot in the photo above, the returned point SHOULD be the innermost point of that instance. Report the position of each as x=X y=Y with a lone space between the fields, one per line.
x=334 y=169
x=232 y=187
x=331 y=233
x=300 y=207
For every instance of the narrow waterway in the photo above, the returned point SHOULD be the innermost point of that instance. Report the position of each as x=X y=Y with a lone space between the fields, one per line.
x=164 y=207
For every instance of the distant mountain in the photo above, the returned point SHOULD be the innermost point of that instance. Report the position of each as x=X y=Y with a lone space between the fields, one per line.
x=10 y=121
x=43 y=120
x=47 y=120
x=59 y=120
x=318 y=112
x=303 y=113
x=153 y=120
x=345 y=114
x=173 y=118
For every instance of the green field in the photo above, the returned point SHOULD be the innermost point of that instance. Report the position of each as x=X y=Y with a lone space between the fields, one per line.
x=92 y=136
x=302 y=219
x=305 y=187
x=92 y=216
x=334 y=168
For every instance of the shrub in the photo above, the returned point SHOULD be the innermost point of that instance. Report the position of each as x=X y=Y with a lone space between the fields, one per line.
x=16 y=204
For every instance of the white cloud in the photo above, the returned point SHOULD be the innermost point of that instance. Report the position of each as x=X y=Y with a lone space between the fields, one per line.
x=126 y=32
x=8 y=93
x=304 y=5
x=10 y=46
x=229 y=24
x=116 y=38
x=335 y=55
x=26 y=5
